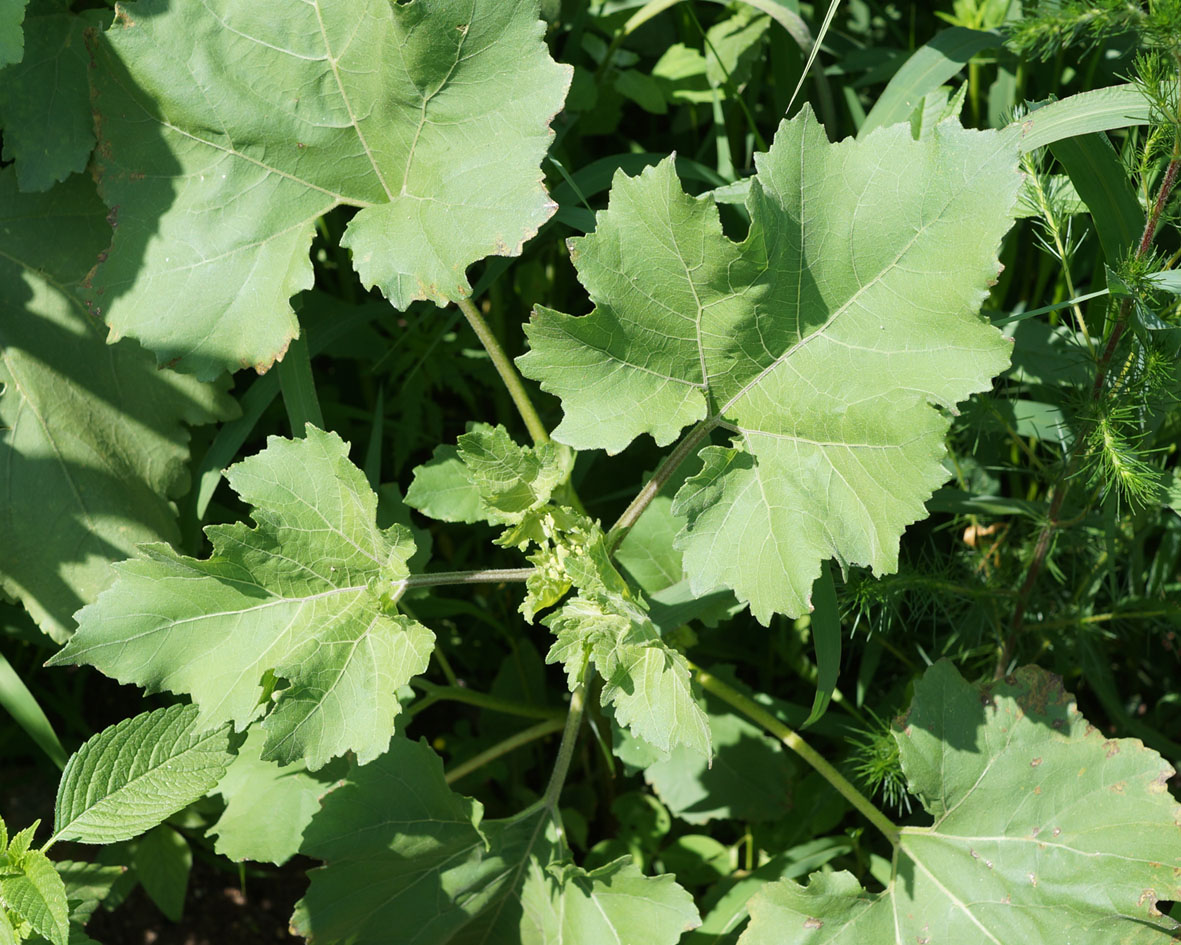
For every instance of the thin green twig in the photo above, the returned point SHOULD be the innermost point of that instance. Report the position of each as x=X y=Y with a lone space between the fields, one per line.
x=507 y=371
x=436 y=693
x=756 y=713
x=512 y=743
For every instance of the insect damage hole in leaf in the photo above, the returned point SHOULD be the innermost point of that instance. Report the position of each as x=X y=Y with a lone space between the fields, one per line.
x=825 y=342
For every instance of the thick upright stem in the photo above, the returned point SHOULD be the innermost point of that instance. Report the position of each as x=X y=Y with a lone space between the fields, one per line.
x=507 y=371
x=756 y=713
x=553 y=790
x=490 y=576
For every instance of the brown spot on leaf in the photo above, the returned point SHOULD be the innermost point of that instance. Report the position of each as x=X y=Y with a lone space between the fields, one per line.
x=1112 y=748
x=1118 y=787
x=811 y=923
x=1035 y=762
x=123 y=18
x=1033 y=880
x=1057 y=831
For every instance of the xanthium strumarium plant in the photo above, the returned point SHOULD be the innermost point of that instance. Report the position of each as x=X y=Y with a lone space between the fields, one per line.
x=804 y=373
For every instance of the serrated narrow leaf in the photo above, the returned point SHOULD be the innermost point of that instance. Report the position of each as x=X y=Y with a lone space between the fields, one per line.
x=432 y=117
x=93 y=443
x=406 y=853
x=45 y=98
x=306 y=595
x=131 y=776
x=267 y=806
x=824 y=342
x=37 y=894
x=1044 y=831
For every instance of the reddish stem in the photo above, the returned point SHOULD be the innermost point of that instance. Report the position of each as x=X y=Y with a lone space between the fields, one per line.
x=1062 y=485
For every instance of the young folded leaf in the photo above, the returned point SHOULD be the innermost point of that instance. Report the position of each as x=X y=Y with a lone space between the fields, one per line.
x=826 y=342
x=307 y=596
x=645 y=679
x=487 y=477
x=1044 y=831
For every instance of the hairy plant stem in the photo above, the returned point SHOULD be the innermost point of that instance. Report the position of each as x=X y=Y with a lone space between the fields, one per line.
x=507 y=371
x=490 y=576
x=653 y=486
x=1062 y=485
x=512 y=743
x=756 y=713
x=436 y=693
x=553 y=790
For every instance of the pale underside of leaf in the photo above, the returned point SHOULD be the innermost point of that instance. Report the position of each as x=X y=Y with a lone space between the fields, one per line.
x=1044 y=831
x=824 y=343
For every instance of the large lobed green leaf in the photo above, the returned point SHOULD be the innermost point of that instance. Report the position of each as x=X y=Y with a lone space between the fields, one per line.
x=93 y=443
x=410 y=861
x=829 y=343
x=306 y=596
x=227 y=127
x=1044 y=831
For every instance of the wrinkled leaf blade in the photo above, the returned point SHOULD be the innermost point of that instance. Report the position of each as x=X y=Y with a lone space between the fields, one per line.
x=131 y=776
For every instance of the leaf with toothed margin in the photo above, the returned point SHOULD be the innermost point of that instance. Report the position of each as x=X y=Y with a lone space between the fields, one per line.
x=1043 y=831
x=131 y=776
x=227 y=127
x=307 y=596
x=645 y=680
x=829 y=343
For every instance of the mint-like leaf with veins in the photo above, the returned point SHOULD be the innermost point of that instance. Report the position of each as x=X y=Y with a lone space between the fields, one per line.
x=306 y=597
x=1044 y=831
x=828 y=343
x=227 y=127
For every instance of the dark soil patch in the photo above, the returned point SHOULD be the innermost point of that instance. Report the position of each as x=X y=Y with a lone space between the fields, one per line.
x=217 y=911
